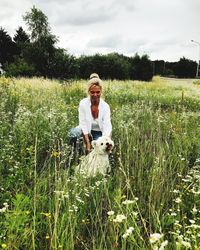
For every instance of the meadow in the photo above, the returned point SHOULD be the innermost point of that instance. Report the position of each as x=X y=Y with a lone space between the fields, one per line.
x=151 y=199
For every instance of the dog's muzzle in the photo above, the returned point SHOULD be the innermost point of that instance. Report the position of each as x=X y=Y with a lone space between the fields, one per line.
x=109 y=147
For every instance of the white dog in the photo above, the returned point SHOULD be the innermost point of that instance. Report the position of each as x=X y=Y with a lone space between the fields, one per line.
x=97 y=160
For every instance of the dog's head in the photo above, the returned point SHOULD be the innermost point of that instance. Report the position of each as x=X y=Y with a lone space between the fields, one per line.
x=103 y=145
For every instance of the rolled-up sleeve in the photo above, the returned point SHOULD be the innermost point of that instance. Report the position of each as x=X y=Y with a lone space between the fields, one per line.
x=82 y=118
x=107 y=126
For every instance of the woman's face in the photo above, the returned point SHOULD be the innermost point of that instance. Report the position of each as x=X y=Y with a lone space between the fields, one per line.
x=95 y=93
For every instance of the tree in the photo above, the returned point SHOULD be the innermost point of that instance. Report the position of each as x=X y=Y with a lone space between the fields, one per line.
x=158 y=67
x=185 y=68
x=141 y=68
x=21 y=40
x=7 y=48
x=111 y=66
x=88 y=64
x=63 y=65
x=42 y=50
x=41 y=53
x=21 y=36
x=38 y=24
x=117 y=66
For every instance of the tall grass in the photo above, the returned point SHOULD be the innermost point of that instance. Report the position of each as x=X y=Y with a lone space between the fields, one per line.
x=149 y=201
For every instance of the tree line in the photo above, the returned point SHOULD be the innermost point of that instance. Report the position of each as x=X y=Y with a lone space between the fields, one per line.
x=36 y=54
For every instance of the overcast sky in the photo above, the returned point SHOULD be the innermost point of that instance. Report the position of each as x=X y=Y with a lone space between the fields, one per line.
x=163 y=29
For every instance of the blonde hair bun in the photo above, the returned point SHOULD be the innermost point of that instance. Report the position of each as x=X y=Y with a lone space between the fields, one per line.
x=94 y=80
x=94 y=75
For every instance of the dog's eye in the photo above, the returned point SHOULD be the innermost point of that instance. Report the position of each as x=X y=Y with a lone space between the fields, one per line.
x=102 y=143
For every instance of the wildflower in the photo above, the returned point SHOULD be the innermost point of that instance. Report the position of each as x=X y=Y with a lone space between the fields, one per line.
x=177 y=224
x=135 y=214
x=66 y=196
x=5 y=204
x=163 y=244
x=59 y=192
x=186 y=180
x=178 y=200
x=128 y=232
x=3 y=246
x=186 y=244
x=189 y=231
x=75 y=208
x=194 y=226
x=125 y=235
x=2 y=210
x=79 y=200
x=155 y=237
x=55 y=154
x=127 y=202
x=119 y=218
x=97 y=183
x=110 y=213
x=104 y=180
x=195 y=192
x=48 y=215
x=175 y=191
x=173 y=214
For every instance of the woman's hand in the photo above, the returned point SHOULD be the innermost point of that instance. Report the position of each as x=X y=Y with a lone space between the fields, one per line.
x=88 y=148
x=87 y=144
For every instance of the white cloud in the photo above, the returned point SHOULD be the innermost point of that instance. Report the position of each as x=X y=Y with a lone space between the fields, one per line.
x=162 y=29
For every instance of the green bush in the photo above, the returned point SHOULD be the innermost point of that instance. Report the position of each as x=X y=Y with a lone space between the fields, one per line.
x=20 y=68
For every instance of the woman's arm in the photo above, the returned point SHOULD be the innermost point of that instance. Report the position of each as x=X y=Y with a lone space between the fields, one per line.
x=82 y=118
x=84 y=126
x=107 y=126
x=87 y=143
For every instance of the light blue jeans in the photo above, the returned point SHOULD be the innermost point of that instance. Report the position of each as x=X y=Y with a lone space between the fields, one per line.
x=77 y=133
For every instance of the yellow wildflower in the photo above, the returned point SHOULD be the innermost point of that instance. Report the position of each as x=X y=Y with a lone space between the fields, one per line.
x=55 y=154
x=3 y=246
x=48 y=215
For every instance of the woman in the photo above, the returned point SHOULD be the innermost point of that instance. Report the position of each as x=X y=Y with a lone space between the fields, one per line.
x=94 y=113
x=94 y=116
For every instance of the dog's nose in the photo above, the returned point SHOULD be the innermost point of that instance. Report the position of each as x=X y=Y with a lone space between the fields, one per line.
x=107 y=143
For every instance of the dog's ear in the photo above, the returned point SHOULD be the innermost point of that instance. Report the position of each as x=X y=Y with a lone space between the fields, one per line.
x=94 y=143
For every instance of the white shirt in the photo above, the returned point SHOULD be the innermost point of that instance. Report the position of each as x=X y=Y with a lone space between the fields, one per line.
x=85 y=117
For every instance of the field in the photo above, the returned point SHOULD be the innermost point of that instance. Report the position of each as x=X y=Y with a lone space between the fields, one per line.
x=151 y=199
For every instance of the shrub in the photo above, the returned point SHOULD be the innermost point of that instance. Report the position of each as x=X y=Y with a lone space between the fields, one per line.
x=20 y=68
